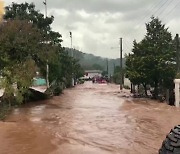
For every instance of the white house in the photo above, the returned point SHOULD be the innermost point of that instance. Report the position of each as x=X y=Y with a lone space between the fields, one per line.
x=92 y=73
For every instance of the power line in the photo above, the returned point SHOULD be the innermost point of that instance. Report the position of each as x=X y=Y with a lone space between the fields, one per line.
x=161 y=6
x=127 y=45
x=156 y=10
x=170 y=11
x=164 y=4
x=165 y=9
x=147 y=12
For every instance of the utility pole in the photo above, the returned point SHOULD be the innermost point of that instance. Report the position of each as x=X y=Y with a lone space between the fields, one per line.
x=177 y=53
x=107 y=67
x=120 y=61
x=114 y=67
x=45 y=4
x=121 y=71
x=72 y=54
x=47 y=66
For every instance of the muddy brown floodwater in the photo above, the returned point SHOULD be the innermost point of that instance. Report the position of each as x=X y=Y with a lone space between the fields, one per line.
x=88 y=119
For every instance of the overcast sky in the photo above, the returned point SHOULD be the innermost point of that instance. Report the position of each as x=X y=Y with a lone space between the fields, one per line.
x=97 y=25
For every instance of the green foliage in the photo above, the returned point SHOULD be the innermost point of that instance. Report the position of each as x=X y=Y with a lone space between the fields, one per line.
x=69 y=67
x=126 y=87
x=88 y=61
x=117 y=78
x=78 y=71
x=117 y=69
x=19 y=42
x=178 y=76
x=26 y=11
x=104 y=73
x=27 y=44
x=117 y=74
x=137 y=66
x=97 y=67
x=50 y=45
x=153 y=59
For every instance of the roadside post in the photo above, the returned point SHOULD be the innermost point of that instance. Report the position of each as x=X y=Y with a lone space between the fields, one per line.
x=47 y=65
x=120 y=63
x=121 y=70
x=177 y=81
x=72 y=54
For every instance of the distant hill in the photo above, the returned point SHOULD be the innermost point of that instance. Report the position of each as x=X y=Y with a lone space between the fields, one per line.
x=90 y=61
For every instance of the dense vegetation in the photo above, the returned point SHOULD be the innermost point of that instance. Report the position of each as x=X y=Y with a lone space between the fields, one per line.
x=27 y=45
x=92 y=62
x=153 y=60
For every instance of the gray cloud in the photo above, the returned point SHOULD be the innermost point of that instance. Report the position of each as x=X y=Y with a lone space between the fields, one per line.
x=95 y=5
x=97 y=25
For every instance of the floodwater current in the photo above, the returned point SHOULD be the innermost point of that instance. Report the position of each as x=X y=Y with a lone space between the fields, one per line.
x=88 y=119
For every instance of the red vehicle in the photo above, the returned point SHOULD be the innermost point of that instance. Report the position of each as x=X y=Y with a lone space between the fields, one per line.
x=99 y=80
x=102 y=81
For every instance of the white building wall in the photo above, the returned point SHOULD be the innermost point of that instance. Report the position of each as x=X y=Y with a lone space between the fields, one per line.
x=91 y=75
x=177 y=92
x=127 y=82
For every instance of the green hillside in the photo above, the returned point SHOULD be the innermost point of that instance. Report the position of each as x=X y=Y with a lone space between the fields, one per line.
x=90 y=61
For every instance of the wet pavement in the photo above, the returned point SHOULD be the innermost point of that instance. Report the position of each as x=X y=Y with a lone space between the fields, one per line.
x=88 y=119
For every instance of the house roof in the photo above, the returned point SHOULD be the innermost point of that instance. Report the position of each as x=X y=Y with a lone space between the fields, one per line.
x=93 y=71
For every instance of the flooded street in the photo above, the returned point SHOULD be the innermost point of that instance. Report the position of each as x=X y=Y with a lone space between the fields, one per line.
x=88 y=119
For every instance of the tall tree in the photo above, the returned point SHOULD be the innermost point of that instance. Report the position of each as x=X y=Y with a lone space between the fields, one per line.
x=26 y=11
x=19 y=43
x=137 y=67
x=153 y=59
x=50 y=50
x=51 y=44
x=161 y=54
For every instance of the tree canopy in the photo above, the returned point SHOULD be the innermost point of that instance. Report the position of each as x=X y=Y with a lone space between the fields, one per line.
x=27 y=44
x=152 y=60
x=19 y=43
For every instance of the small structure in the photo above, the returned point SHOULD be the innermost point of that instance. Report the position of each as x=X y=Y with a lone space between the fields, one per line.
x=89 y=74
x=127 y=82
x=39 y=85
x=177 y=92
x=39 y=82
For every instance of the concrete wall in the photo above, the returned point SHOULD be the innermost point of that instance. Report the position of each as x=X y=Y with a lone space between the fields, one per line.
x=177 y=92
x=127 y=82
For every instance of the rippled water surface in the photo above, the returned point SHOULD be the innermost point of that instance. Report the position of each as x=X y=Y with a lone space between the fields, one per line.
x=88 y=119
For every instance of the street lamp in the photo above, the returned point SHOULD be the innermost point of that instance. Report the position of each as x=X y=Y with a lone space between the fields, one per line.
x=45 y=4
x=120 y=61
x=72 y=56
x=71 y=44
x=177 y=53
x=121 y=71
x=47 y=66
